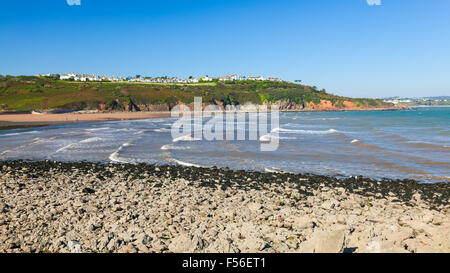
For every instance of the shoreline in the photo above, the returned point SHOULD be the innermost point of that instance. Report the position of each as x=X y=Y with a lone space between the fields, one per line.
x=12 y=120
x=17 y=121
x=89 y=207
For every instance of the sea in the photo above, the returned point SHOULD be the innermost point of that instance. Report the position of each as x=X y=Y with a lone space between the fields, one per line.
x=407 y=144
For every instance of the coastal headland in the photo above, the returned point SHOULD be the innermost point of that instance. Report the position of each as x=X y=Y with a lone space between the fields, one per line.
x=56 y=101
x=88 y=207
x=30 y=93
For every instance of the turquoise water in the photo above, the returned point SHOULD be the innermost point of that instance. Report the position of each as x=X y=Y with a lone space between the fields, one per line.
x=395 y=144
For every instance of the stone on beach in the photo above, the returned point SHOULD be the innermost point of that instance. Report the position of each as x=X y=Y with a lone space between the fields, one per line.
x=85 y=207
x=324 y=242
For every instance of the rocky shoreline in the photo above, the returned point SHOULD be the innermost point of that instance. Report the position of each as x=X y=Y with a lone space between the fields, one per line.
x=88 y=207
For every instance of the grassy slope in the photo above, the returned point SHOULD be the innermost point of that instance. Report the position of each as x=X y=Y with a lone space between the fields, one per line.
x=27 y=93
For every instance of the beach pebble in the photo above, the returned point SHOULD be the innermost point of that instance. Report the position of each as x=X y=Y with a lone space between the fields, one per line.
x=65 y=207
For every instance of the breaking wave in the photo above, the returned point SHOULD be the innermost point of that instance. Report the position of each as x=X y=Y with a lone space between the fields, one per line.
x=187 y=164
x=171 y=147
x=19 y=133
x=114 y=157
x=300 y=131
x=273 y=170
x=89 y=140
x=184 y=138
x=98 y=129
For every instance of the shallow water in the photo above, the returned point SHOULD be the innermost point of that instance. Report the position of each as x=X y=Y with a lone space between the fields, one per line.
x=399 y=144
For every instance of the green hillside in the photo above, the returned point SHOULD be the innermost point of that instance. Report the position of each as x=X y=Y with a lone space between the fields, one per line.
x=26 y=93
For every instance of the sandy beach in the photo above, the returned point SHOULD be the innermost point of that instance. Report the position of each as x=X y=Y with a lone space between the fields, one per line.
x=85 y=207
x=11 y=121
x=14 y=121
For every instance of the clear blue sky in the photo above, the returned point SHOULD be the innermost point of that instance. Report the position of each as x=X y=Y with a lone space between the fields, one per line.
x=401 y=47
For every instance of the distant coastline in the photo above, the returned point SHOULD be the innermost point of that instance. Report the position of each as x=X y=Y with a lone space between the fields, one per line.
x=428 y=106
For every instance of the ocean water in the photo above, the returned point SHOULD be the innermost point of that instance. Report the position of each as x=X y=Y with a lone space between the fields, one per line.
x=412 y=144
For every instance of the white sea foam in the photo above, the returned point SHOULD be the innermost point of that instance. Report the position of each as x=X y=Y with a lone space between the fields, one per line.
x=322 y=118
x=269 y=137
x=184 y=138
x=35 y=141
x=187 y=164
x=272 y=170
x=20 y=133
x=171 y=147
x=65 y=148
x=98 y=129
x=161 y=130
x=114 y=157
x=354 y=141
x=300 y=131
x=166 y=147
x=265 y=138
x=421 y=142
x=92 y=139
x=88 y=140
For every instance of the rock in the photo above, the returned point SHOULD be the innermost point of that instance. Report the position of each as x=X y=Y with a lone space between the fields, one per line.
x=251 y=244
x=129 y=248
x=254 y=206
x=103 y=242
x=328 y=204
x=304 y=222
x=292 y=243
x=222 y=246
x=74 y=246
x=158 y=246
x=428 y=218
x=88 y=190
x=113 y=244
x=186 y=243
x=324 y=242
x=397 y=237
x=384 y=247
x=142 y=248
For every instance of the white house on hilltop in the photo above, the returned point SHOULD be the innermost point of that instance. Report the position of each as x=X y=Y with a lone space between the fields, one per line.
x=206 y=79
x=67 y=76
x=96 y=78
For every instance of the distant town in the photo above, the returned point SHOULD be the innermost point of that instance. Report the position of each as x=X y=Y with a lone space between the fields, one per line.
x=431 y=101
x=165 y=79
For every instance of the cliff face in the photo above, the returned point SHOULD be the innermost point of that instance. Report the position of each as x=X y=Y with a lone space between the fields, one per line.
x=283 y=105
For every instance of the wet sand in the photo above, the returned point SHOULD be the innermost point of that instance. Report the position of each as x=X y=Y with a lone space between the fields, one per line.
x=15 y=121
